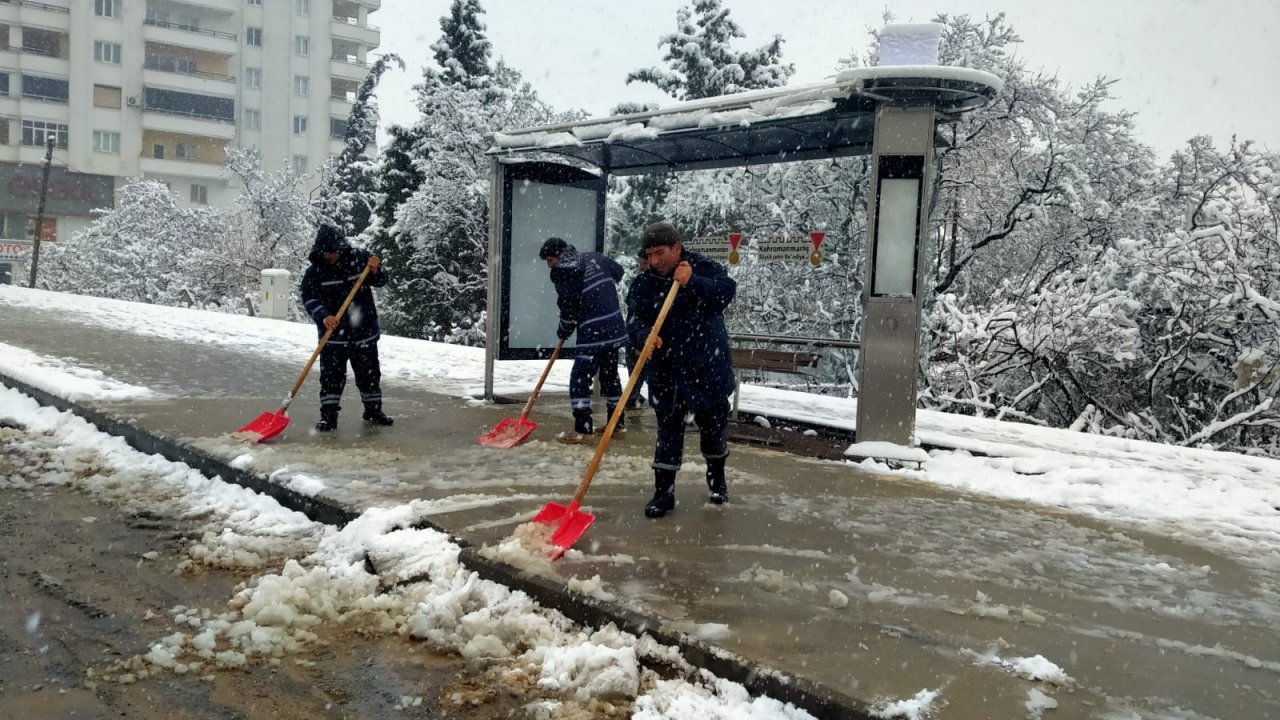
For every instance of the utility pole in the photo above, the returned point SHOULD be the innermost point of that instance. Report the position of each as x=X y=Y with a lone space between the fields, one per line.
x=44 y=190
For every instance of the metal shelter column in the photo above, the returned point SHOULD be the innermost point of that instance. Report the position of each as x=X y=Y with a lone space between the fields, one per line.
x=902 y=171
x=493 y=320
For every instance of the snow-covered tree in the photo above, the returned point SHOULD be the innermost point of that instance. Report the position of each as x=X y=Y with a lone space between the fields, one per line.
x=147 y=249
x=463 y=51
x=701 y=62
x=351 y=188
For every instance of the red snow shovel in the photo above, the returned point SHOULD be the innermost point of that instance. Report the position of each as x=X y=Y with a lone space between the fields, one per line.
x=513 y=431
x=270 y=424
x=570 y=521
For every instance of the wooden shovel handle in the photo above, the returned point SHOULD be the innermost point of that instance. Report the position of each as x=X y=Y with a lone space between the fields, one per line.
x=632 y=381
x=528 y=406
x=325 y=338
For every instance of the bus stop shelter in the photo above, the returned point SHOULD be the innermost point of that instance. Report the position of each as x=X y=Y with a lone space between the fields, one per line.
x=551 y=180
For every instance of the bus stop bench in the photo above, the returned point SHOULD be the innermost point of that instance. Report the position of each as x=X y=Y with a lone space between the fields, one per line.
x=778 y=361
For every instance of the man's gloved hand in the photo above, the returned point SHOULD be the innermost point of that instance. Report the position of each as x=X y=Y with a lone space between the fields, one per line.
x=562 y=334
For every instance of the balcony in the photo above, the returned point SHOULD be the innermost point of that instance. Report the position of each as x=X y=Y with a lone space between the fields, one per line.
x=348 y=68
x=190 y=36
x=40 y=7
x=180 y=167
x=349 y=28
x=181 y=69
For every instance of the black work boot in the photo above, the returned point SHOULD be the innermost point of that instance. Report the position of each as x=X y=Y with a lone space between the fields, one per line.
x=374 y=416
x=719 y=491
x=328 y=419
x=664 y=496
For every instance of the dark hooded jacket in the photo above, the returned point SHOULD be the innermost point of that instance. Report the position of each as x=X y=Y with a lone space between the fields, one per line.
x=587 y=295
x=325 y=287
x=694 y=361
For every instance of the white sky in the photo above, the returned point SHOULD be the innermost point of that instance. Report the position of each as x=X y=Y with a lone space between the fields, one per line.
x=1221 y=500
x=1187 y=66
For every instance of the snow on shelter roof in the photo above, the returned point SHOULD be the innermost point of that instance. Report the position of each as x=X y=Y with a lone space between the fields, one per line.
x=805 y=122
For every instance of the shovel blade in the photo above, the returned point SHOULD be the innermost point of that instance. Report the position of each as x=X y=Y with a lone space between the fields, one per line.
x=509 y=433
x=571 y=523
x=264 y=427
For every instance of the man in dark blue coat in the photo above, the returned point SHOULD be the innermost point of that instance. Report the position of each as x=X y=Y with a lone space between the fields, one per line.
x=335 y=265
x=587 y=296
x=691 y=370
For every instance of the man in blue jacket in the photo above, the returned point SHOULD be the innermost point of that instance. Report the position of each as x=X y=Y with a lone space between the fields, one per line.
x=335 y=265
x=587 y=296
x=691 y=370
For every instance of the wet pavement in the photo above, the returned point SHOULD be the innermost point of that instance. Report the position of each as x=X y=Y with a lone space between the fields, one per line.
x=877 y=586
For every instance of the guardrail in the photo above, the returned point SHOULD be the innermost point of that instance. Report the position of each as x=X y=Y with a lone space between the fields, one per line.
x=160 y=67
x=39 y=6
x=355 y=22
x=190 y=29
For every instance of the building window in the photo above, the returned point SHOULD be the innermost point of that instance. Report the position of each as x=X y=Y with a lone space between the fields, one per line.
x=106 y=8
x=303 y=6
x=302 y=45
x=252 y=119
x=4 y=131
x=253 y=36
x=45 y=88
x=299 y=164
x=186 y=151
x=4 y=83
x=299 y=124
x=200 y=194
x=36 y=133
x=106 y=96
x=255 y=2
x=253 y=78
x=337 y=127
x=106 y=52
x=106 y=142
x=157 y=151
x=301 y=85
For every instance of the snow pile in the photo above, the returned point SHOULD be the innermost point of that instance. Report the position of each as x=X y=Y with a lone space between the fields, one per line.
x=918 y=707
x=909 y=44
x=73 y=382
x=377 y=575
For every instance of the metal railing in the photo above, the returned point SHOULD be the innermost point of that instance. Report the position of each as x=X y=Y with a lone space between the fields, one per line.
x=355 y=22
x=40 y=6
x=189 y=113
x=349 y=60
x=171 y=68
x=190 y=29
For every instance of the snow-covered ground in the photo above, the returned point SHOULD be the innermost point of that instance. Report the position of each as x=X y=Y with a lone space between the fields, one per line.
x=311 y=573
x=1226 y=500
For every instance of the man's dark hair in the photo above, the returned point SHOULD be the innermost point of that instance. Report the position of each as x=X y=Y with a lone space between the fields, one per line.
x=659 y=233
x=552 y=248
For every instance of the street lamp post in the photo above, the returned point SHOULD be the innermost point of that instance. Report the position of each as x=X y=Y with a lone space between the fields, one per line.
x=44 y=190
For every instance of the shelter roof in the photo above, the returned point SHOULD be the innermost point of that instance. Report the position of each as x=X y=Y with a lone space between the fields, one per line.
x=806 y=122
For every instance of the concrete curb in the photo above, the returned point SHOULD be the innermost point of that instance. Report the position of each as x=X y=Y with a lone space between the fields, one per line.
x=819 y=700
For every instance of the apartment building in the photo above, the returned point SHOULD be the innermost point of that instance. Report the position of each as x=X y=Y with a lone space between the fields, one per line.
x=161 y=89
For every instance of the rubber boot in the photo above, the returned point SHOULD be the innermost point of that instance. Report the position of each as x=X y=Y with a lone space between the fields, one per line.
x=664 y=495
x=328 y=418
x=719 y=491
x=374 y=416
x=582 y=421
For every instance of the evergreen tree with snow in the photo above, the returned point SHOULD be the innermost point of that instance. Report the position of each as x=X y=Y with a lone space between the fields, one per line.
x=701 y=63
x=352 y=188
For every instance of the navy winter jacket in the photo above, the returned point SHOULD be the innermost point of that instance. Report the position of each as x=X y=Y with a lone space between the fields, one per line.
x=693 y=363
x=587 y=295
x=325 y=286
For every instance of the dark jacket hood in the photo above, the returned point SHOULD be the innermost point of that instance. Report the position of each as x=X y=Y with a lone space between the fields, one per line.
x=328 y=239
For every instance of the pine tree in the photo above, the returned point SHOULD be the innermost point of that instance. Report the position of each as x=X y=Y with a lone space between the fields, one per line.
x=701 y=64
x=462 y=52
x=351 y=188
